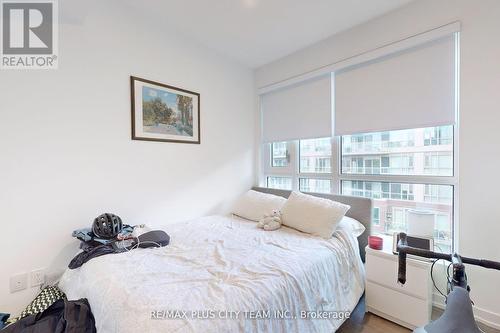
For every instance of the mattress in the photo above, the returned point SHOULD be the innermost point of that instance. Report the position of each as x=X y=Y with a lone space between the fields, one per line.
x=223 y=274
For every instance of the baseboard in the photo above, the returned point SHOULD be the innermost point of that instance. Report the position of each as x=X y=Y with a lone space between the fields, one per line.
x=486 y=317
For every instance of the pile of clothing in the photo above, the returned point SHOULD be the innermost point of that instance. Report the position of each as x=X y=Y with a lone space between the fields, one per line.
x=129 y=238
x=50 y=311
x=93 y=246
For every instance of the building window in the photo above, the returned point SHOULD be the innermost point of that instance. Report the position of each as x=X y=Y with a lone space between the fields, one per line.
x=315 y=155
x=438 y=136
x=304 y=165
x=281 y=183
x=279 y=154
x=398 y=220
x=315 y=185
x=438 y=194
x=379 y=190
x=403 y=152
x=438 y=163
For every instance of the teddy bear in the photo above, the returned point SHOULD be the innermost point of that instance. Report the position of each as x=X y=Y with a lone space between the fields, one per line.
x=270 y=221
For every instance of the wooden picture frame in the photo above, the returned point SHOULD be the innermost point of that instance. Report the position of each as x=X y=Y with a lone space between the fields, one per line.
x=164 y=113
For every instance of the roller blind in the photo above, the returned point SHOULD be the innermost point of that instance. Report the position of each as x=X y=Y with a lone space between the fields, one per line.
x=410 y=89
x=300 y=111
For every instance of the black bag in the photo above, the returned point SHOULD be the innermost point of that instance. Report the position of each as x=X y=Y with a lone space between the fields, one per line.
x=61 y=317
x=155 y=238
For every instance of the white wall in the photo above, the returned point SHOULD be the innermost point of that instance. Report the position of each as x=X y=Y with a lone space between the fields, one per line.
x=65 y=148
x=479 y=152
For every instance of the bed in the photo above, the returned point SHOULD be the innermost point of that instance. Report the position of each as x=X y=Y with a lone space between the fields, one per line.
x=223 y=274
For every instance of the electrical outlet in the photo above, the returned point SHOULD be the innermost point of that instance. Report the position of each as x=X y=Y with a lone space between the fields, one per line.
x=37 y=277
x=18 y=282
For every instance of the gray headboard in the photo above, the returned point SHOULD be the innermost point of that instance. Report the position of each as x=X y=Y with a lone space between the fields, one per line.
x=361 y=210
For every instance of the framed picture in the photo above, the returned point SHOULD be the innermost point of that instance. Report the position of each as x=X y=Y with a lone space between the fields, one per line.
x=164 y=113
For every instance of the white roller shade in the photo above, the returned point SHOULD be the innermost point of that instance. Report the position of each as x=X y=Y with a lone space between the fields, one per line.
x=410 y=89
x=301 y=111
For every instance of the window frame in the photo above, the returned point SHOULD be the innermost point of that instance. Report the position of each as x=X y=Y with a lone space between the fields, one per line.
x=293 y=168
x=336 y=176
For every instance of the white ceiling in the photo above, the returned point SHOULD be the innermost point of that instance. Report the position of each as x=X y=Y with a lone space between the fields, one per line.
x=256 y=32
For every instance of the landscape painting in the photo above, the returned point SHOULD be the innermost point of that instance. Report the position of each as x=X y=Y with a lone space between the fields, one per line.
x=164 y=113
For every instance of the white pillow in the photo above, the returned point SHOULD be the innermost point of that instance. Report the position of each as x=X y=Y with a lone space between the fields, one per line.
x=313 y=215
x=254 y=205
x=351 y=226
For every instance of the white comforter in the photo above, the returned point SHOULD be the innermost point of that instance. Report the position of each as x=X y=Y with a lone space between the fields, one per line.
x=217 y=268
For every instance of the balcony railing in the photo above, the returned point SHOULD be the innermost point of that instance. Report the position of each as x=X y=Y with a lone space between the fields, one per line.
x=375 y=146
x=438 y=171
x=378 y=170
x=388 y=146
x=438 y=141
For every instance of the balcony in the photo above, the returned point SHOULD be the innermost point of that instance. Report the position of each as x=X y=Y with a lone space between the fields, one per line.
x=375 y=146
x=377 y=170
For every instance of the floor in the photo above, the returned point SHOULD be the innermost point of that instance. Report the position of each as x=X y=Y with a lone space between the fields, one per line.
x=361 y=322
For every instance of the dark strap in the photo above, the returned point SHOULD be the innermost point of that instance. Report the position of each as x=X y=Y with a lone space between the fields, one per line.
x=89 y=253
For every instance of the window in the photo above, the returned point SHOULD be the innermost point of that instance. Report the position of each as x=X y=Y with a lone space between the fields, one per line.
x=401 y=170
x=315 y=156
x=438 y=163
x=403 y=152
x=422 y=161
x=379 y=152
x=315 y=185
x=398 y=220
x=378 y=190
x=281 y=183
x=438 y=194
x=443 y=232
x=398 y=198
x=279 y=154
x=304 y=165
x=438 y=136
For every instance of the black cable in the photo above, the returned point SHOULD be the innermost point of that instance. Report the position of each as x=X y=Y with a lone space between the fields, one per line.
x=434 y=282
x=448 y=280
